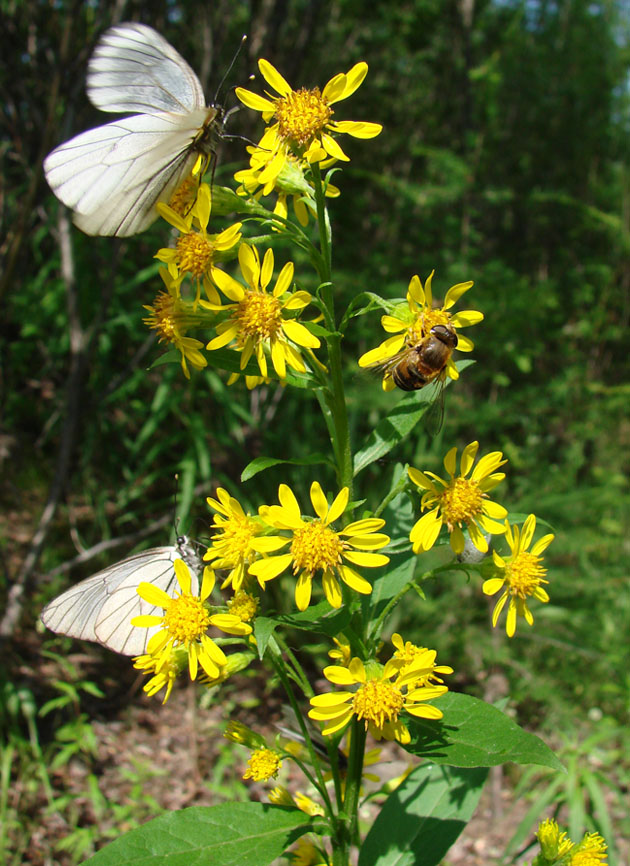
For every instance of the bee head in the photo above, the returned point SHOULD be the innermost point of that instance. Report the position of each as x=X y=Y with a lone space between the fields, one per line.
x=446 y=334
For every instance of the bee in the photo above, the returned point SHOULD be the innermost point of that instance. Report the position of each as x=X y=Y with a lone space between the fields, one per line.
x=424 y=363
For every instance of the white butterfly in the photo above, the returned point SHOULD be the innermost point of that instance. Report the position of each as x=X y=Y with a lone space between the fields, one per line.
x=100 y=608
x=112 y=176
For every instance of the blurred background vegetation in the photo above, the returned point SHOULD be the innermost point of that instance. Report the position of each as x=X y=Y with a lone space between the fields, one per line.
x=504 y=159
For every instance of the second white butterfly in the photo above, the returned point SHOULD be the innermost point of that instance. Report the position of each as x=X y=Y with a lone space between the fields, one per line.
x=113 y=176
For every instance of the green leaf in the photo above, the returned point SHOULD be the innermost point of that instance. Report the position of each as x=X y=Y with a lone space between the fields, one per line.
x=170 y=357
x=230 y=834
x=423 y=817
x=259 y=464
x=264 y=627
x=398 y=424
x=389 y=580
x=476 y=734
x=320 y=618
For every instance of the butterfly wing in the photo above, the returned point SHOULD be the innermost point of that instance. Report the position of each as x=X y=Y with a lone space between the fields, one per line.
x=112 y=176
x=134 y=69
x=101 y=607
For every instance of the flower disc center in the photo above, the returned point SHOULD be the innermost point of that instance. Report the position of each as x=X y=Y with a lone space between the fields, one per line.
x=302 y=115
x=186 y=619
x=461 y=501
x=259 y=315
x=378 y=701
x=315 y=547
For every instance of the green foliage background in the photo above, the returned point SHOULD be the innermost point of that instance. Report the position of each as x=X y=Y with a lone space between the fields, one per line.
x=504 y=159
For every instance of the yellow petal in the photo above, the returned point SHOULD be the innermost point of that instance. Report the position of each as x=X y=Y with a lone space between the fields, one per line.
x=319 y=500
x=332 y=590
x=285 y=278
x=333 y=149
x=339 y=505
x=254 y=101
x=273 y=77
x=357 y=128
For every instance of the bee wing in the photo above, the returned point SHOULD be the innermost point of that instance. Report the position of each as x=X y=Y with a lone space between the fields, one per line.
x=101 y=607
x=112 y=176
x=433 y=418
x=134 y=69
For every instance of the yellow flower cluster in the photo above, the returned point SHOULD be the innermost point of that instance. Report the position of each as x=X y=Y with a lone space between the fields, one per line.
x=247 y=545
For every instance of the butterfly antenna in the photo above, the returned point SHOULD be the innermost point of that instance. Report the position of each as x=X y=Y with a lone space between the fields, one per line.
x=175 y=515
x=229 y=69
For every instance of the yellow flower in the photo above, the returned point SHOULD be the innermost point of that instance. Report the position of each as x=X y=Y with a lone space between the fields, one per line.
x=257 y=325
x=196 y=251
x=591 y=851
x=303 y=119
x=557 y=848
x=306 y=854
x=290 y=183
x=553 y=843
x=186 y=620
x=233 y=543
x=244 y=605
x=263 y=765
x=413 y=324
x=459 y=501
x=522 y=574
x=342 y=653
x=382 y=693
x=317 y=547
x=165 y=667
x=419 y=657
x=171 y=317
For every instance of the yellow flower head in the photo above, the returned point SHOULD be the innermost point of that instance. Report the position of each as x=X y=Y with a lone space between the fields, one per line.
x=186 y=620
x=411 y=325
x=291 y=183
x=317 y=548
x=257 y=324
x=263 y=765
x=233 y=542
x=379 y=695
x=303 y=119
x=522 y=574
x=195 y=251
x=244 y=605
x=557 y=848
x=171 y=317
x=591 y=851
x=165 y=667
x=421 y=659
x=459 y=501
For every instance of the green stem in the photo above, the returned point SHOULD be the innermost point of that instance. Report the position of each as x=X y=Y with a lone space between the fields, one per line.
x=353 y=779
x=336 y=397
x=315 y=762
x=393 y=493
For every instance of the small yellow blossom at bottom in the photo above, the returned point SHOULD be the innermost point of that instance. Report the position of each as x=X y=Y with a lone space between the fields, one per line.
x=522 y=574
x=556 y=849
x=591 y=851
x=554 y=844
x=165 y=668
x=263 y=764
